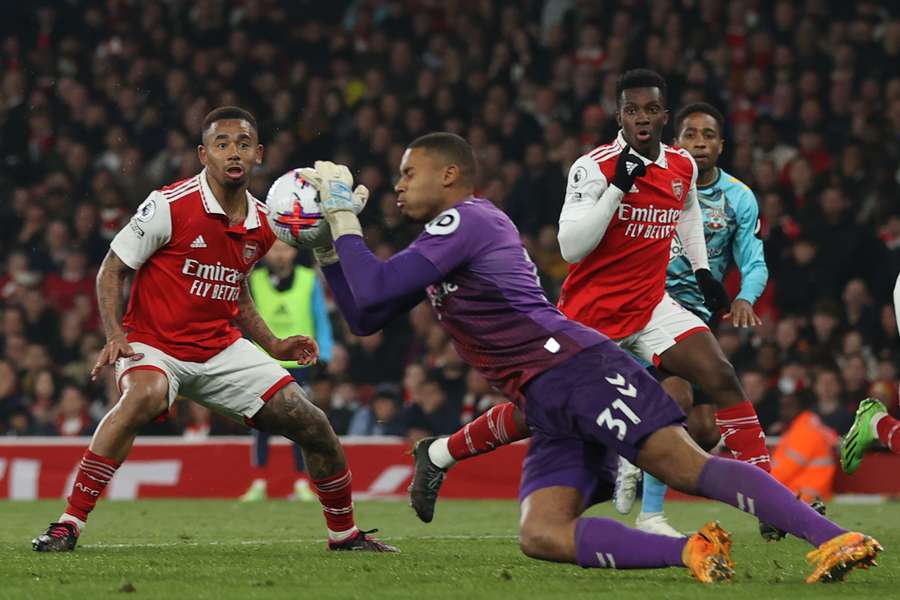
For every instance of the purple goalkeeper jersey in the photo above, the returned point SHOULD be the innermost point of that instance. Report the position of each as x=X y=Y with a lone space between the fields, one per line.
x=490 y=300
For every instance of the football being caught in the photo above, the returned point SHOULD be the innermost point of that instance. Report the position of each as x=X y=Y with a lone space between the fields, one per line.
x=295 y=213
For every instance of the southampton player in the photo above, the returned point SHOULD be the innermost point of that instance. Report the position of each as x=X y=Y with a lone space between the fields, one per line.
x=621 y=213
x=872 y=423
x=191 y=246
x=585 y=399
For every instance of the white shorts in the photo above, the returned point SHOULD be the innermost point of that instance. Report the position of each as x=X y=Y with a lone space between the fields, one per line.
x=669 y=324
x=236 y=382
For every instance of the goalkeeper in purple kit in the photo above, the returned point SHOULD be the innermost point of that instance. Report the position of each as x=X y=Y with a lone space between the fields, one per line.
x=585 y=400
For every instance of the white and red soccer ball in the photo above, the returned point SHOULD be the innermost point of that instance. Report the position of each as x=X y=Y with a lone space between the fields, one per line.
x=295 y=213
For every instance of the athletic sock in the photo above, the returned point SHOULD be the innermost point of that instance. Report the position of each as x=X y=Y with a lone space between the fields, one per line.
x=888 y=429
x=654 y=494
x=496 y=427
x=760 y=495
x=94 y=473
x=606 y=543
x=743 y=435
x=336 y=496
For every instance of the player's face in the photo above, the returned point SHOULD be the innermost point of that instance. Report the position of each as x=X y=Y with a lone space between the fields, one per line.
x=701 y=137
x=642 y=116
x=420 y=189
x=230 y=151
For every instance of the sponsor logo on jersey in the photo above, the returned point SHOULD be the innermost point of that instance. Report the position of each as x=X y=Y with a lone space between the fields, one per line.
x=206 y=278
x=438 y=292
x=649 y=223
x=199 y=242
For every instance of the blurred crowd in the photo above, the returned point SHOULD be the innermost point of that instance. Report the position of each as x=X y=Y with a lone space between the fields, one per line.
x=101 y=102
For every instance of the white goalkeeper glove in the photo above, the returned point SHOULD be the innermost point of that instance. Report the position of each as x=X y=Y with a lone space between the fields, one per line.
x=325 y=253
x=334 y=184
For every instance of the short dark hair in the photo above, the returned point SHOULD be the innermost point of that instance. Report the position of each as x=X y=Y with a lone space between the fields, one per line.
x=227 y=112
x=703 y=108
x=640 y=78
x=453 y=148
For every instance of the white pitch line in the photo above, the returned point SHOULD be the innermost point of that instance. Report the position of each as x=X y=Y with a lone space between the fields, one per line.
x=102 y=546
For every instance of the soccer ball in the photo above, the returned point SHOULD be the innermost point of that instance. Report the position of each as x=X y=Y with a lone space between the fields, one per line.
x=295 y=214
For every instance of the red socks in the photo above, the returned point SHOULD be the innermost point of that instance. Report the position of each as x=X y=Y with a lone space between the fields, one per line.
x=336 y=497
x=889 y=433
x=496 y=427
x=743 y=435
x=93 y=475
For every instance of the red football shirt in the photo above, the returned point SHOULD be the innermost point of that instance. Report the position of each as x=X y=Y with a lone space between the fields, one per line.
x=616 y=286
x=190 y=266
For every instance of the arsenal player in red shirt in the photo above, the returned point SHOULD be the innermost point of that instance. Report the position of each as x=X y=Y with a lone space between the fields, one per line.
x=190 y=247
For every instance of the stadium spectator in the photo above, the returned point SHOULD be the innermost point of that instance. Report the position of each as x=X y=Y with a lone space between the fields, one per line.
x=814 y=122
x=381 y=416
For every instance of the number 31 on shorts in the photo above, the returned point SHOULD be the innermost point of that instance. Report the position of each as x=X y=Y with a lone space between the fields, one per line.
x=606 y=418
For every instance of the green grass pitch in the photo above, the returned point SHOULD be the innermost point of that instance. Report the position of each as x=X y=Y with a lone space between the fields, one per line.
x=222 y=549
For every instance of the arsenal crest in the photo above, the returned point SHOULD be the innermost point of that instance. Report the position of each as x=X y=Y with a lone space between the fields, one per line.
x=251 y=249
x=677 y=188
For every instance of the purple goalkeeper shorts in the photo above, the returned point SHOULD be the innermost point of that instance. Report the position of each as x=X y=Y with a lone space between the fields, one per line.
x=583 y=413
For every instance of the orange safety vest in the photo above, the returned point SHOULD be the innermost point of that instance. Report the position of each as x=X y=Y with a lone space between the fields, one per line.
x=804 y=460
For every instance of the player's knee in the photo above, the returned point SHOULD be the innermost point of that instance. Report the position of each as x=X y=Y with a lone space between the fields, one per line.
x=140 y=404
x=537 y=541
x=302 y=416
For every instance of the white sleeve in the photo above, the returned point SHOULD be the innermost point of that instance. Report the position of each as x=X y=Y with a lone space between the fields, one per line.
x=589 y=207
x=690 y=227
x=148 y=230
x=897 y=301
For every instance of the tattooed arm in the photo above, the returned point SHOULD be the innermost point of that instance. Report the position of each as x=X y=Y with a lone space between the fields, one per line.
x=297 y=347
x=110 y=283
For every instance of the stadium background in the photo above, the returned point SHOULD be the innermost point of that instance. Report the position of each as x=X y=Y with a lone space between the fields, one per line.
x=101 y=102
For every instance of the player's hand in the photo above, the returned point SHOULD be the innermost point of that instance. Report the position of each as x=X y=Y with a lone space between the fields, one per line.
x=628 y=168
x=335 y=187
x=116 y=347
x=303 y=349
x=714 y=294
x=742 y=315
x=360 y=193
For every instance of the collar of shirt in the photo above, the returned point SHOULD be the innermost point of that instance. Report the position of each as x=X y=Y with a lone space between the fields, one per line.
x=660 y=160
x=212 y=206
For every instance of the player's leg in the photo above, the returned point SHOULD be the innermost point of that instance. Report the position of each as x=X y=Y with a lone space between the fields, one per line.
x=871 y=424
x=244 y=383
x=259 y=458
x=145 y=395
x=671 y=455
x=290 y=413
x=500 y=425
x=701 y=424
x=699 y=359
x=652 y=518
x=563 y=475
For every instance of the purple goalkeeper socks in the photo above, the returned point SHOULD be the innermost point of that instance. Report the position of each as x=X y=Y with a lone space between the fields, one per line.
x=609 y=544
x=754 y=491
